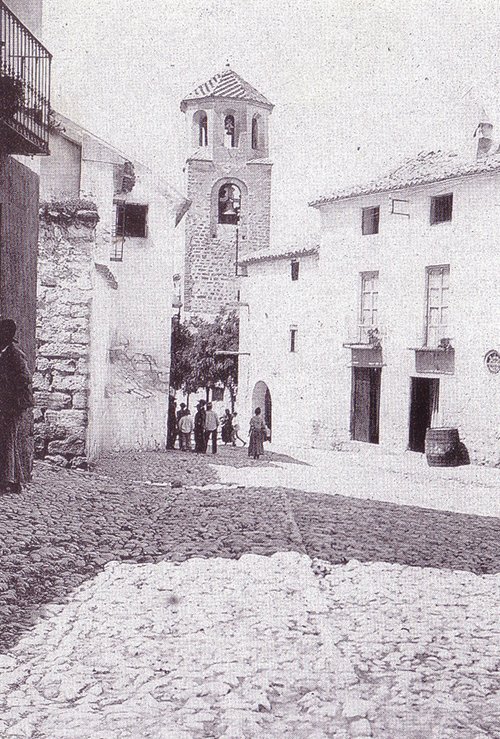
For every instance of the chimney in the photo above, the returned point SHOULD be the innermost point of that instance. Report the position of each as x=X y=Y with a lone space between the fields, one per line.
x=484 y=133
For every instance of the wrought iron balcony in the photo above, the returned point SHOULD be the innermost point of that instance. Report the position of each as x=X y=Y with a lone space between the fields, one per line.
x=24 y=88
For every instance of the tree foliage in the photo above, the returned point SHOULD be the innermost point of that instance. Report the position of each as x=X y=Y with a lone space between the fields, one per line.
x=197 y=354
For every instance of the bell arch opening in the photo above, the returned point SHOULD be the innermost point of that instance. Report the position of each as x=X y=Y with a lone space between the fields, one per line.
x=256 y=132
x=229 y=203
x=200 y=128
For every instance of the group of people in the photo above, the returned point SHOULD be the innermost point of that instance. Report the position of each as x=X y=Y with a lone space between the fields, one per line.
x=205 y=426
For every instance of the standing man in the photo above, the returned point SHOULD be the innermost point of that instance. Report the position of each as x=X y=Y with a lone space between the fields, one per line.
x=185 y=429
x=199 y=428
x=16 y=396
x=171 y=423
x=211 y=425
x=181 y=412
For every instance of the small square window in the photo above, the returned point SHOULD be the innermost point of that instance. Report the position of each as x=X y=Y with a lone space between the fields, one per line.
x=295 y=270
x=293 y=339
x=131 y=220
x=441 y=208
x=370 y=220
x=217 y=393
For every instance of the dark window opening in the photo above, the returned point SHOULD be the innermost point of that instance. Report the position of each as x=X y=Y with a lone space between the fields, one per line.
x=203 y=131
x=293 y=339
x=370 y=220
x=229 y=131
x=295 y=270
x=255 y=133
x=229 y=204
x=131 y=220
x=441 y=208
x=217 y=393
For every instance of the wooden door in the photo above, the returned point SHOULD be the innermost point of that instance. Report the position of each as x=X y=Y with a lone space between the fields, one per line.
x=361 y=404
x=365 y=404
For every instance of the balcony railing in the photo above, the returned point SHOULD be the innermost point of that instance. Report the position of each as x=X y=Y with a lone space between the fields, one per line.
x=24 y=88
x=363 y=334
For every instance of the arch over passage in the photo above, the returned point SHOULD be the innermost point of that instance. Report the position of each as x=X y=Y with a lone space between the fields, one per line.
x=261 y=398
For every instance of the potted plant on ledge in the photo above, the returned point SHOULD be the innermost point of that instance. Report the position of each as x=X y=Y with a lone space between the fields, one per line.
x=11 y=94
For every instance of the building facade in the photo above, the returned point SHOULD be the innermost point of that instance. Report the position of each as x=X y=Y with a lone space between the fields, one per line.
x=104 y=300
x=398 y=330
x=229 y=185
x=24 y=136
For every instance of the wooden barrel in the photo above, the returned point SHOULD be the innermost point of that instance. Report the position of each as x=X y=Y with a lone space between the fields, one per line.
x=442 y=447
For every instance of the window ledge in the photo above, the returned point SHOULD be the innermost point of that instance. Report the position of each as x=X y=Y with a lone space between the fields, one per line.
x=359 y=345
x=439 y=349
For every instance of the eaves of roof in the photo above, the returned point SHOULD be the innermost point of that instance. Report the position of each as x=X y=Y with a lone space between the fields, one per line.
x=426 y=168
x=267 y=255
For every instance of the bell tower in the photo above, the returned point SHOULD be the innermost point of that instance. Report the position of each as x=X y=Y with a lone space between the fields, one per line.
x=229 y=185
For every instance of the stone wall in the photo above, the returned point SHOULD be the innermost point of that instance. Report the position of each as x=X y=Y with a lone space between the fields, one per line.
x=210 y=281
x=61 y=380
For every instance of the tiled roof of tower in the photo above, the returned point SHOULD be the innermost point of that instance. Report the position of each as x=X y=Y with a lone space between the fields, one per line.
x=427 y=167
x=227 y=84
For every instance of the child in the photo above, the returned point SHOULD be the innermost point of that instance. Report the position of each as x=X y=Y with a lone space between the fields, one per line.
x=235 y=431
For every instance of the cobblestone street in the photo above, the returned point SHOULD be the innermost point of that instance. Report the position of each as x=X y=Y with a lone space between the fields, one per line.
x=148 y=599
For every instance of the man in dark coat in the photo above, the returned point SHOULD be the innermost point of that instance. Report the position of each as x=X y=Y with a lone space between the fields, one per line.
x=16 y=396
x=171 y=423
x=200 y=442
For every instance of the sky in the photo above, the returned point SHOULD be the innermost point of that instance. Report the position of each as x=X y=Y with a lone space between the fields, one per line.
x=358 y=85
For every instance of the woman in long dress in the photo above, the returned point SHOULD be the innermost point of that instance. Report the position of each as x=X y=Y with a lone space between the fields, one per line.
x=227 y=427
x=257 y=435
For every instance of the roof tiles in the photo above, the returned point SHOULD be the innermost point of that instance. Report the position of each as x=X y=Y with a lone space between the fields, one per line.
x=229 y=85
x=427 y=167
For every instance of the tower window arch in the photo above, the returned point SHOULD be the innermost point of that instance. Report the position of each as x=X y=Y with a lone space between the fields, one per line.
x=229 y=203
x=256 y=132
x=229 y=131
x=200 y=128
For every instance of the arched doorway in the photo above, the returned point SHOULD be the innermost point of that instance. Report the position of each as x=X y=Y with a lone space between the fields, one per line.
x=261 y=398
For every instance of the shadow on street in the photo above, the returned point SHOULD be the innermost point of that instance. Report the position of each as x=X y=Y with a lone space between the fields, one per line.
x=68 y=525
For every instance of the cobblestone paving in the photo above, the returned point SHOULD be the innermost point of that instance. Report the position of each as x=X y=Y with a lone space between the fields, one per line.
x=254 y=648
x=425 y=644
x=336 y=528
x=162 y=618
x=184 y=468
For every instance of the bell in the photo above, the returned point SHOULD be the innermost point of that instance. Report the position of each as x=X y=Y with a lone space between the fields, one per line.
x=229 y=210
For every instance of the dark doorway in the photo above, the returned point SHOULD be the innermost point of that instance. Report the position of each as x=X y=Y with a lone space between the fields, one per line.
x=365 y=404
x=424 y=404
x=268 y=412
x=261 y=398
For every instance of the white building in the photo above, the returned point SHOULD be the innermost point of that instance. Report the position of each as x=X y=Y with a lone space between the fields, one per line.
x=104 y=299
x=394 y=326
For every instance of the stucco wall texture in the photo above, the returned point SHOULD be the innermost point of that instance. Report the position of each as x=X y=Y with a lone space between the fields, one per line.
x=317 y=404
